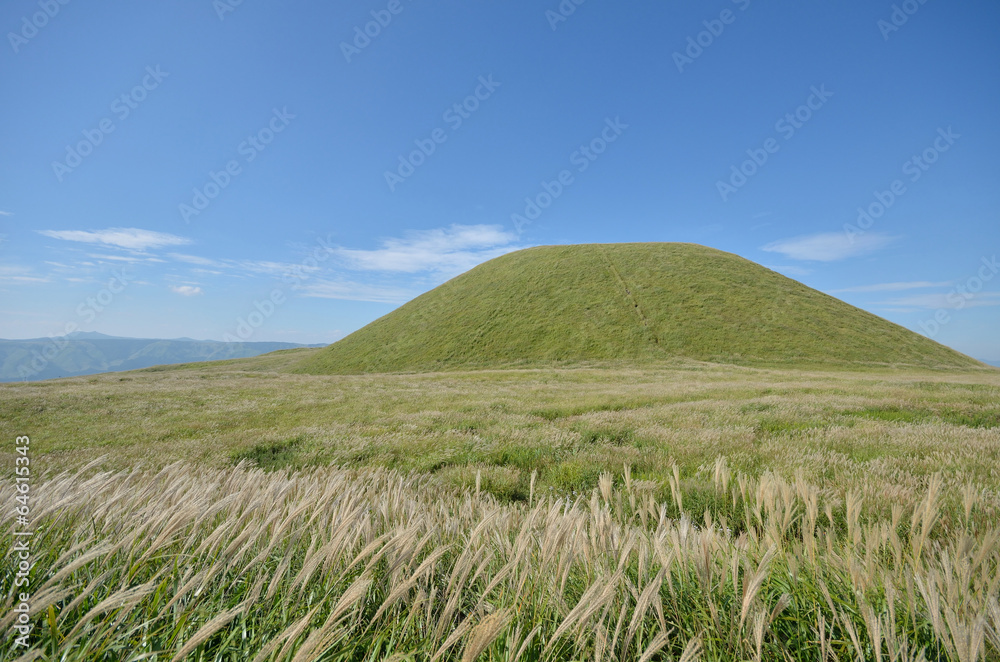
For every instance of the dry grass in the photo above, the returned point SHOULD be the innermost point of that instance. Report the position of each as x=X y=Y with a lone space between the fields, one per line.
x=877 y=434
x=694 y=512
x=330 y=564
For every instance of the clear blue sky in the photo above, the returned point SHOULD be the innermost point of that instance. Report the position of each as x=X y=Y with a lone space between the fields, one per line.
x=117 y=116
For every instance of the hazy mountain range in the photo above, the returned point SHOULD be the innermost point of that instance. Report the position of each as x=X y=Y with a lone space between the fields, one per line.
x=89 y=353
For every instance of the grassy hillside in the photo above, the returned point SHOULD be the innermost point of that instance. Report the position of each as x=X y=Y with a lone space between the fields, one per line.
x=649 y=301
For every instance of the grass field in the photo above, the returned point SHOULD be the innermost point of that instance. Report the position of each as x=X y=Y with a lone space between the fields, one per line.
x=677 y=512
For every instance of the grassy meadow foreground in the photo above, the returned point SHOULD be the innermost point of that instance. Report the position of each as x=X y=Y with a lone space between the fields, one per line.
x=681 y=512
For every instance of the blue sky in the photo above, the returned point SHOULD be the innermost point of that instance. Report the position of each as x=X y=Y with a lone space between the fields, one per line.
x=268 y=171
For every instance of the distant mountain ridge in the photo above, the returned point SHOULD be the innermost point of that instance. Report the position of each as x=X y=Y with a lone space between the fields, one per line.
x=88 y=353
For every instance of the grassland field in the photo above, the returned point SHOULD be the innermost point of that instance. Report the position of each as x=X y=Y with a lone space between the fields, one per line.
x=681 y=510
x=881 y=434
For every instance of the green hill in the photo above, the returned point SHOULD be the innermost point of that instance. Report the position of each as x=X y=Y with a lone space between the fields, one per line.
x=633 y=302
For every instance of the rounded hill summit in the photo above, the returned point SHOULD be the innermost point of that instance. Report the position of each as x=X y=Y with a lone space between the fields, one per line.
x=638 y=303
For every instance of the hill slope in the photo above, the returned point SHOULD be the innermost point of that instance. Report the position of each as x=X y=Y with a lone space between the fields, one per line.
x=624 y=301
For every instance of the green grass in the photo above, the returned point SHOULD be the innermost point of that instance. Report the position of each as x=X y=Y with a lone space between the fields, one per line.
x=694 y=458
x=190 y=563
x=524 y=492
x=561 y=305
x=770 y=427
x=846 y=430
x=271 y=456
x=974 y=418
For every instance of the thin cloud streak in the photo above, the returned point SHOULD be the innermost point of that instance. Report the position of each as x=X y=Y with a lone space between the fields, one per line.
x=355 y=291
x=13 y=274
x=444 y=250
x=828 y=246
x=952 y=300
x=134 y=239
x=893 y=287
x=788 y=270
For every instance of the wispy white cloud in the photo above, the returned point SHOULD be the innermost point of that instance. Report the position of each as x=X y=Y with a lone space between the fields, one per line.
x=123 y=258
x=443 y=250
x=401 y=267
x=128 y=238
x=271 y=268
x=22 y=279
x=243 y=267
x=6 y=213
x=194 y=259
x=757 y=217
x=14 y=274
x=829 y=246
x=788 y=270
x=394 y=272
x=892 y=287
x=348 y=290
x=951 y=300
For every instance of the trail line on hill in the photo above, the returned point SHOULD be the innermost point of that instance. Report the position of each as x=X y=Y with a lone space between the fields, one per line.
x=628 y=292
x=569 y=303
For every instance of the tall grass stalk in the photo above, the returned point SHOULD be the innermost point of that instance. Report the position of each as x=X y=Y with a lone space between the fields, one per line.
x=191 y=563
